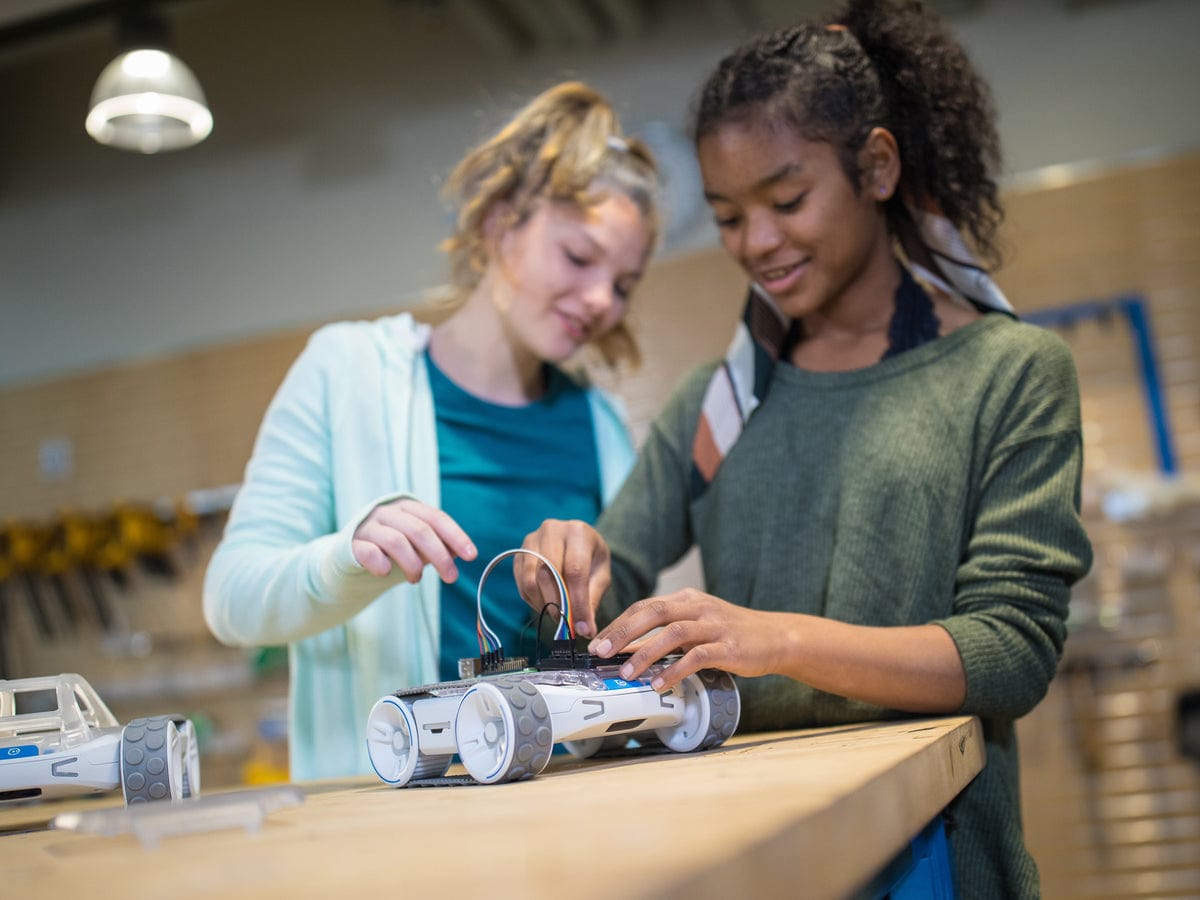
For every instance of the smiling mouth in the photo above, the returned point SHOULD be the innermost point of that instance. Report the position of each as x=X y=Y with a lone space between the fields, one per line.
x=780 y=276
x=779 y=272
x=576 y=328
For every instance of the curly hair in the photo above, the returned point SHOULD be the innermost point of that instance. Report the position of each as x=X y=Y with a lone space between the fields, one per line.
x=870 y=63
x=565 y=145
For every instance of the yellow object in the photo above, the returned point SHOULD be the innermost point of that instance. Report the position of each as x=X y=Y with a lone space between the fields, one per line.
x=262 y=771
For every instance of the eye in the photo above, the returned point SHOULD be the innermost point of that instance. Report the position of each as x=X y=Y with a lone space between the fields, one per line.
x=725 y=222
x=578 y=260
x=787 y=206
x=623 y=289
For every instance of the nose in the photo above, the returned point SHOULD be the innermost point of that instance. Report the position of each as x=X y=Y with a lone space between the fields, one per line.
x=599 y=297
x=760 y=234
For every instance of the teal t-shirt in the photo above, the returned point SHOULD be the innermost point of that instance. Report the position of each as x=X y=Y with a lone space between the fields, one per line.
x=505 y=469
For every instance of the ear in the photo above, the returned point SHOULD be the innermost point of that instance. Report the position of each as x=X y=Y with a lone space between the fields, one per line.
x=879 y=162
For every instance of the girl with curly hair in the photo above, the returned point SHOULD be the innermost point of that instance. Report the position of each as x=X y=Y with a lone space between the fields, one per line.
x=883 y=474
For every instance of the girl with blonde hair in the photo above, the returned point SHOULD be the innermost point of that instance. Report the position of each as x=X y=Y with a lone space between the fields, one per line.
x=397 y=458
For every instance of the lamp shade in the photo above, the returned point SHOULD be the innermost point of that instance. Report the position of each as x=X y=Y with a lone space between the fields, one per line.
x=148 y=100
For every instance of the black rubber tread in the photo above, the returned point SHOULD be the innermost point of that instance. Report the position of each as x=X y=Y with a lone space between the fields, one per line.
x=431 y=767
x=612 y=745
x=444 y=781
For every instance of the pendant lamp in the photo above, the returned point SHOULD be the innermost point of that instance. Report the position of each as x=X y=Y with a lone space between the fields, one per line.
x=147 y=100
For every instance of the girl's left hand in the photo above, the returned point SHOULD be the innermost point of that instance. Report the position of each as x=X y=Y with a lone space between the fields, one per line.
x=710 y=632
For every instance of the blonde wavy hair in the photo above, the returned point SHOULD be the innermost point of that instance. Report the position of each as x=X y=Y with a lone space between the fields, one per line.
x=565 y=145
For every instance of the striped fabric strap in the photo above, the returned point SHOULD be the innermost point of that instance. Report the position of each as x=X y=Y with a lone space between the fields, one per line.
x=738 y=385
x=937 y=254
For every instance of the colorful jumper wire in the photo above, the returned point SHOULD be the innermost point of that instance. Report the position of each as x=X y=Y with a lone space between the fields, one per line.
x=489 y=642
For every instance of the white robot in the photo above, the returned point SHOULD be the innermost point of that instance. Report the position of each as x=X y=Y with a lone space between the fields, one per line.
x=57 y=738
x=503 y=724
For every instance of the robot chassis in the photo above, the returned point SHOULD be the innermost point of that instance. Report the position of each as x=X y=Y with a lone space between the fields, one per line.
x=79 y=747
x=503 y=724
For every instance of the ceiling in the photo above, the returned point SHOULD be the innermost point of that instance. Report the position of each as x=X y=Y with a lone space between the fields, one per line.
x=13 y=11
x=27 y=26
x=506 y=26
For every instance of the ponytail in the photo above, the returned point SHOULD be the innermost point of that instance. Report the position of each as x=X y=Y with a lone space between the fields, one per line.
x=871 y=63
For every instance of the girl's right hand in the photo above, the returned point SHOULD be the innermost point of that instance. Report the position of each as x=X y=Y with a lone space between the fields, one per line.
x=410 y=535
x=579 y=553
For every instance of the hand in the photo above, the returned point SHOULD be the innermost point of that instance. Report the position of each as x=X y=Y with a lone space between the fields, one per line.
x=411 y=535
x=582 y=559
x=711 y=634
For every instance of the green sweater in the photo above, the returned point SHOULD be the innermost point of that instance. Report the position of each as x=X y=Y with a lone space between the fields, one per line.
x=940 y=485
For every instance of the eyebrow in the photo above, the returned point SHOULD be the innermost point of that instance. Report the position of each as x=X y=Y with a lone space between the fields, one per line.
x=785 y=171
x=592 y=242
x=598 y=247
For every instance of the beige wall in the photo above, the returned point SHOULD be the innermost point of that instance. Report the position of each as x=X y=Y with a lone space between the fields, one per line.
x=316 y=195
x=1111 y=807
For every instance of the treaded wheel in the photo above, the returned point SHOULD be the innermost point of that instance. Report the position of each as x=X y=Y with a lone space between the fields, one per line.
x=725 y=707
x=712 y=707
x=502 y=731
x=393 y=747
x=152 y=760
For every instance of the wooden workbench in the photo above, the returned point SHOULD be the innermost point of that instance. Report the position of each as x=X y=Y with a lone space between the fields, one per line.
x=813 y=813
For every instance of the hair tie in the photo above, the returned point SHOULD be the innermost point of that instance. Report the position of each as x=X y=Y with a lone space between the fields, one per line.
x=617 y=143
x=835 y=27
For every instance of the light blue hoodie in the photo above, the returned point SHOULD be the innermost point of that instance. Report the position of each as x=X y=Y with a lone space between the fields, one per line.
x=351 y=427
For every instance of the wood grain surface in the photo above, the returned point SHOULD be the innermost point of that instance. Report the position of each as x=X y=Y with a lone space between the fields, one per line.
x=811 y=813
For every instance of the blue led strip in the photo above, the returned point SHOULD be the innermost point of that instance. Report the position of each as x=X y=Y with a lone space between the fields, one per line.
x=1134 y=311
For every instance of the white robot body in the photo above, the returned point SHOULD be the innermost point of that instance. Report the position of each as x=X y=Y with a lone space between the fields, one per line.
x=69 y=742
x=503 y=727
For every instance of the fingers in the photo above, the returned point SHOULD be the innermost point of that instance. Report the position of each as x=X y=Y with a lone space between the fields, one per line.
x=525 y=567
x=693 y=640
x=687 y=623
x=637 y=621
x=410 y=534
x=370 y=557
x=688 y=664
x=374 y=541
x=534 y=581
x=586 y=572
x=547 y=587
x=447 y=531
x=581 y=557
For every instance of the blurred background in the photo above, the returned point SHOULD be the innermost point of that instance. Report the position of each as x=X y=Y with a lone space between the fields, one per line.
x=150 y=304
